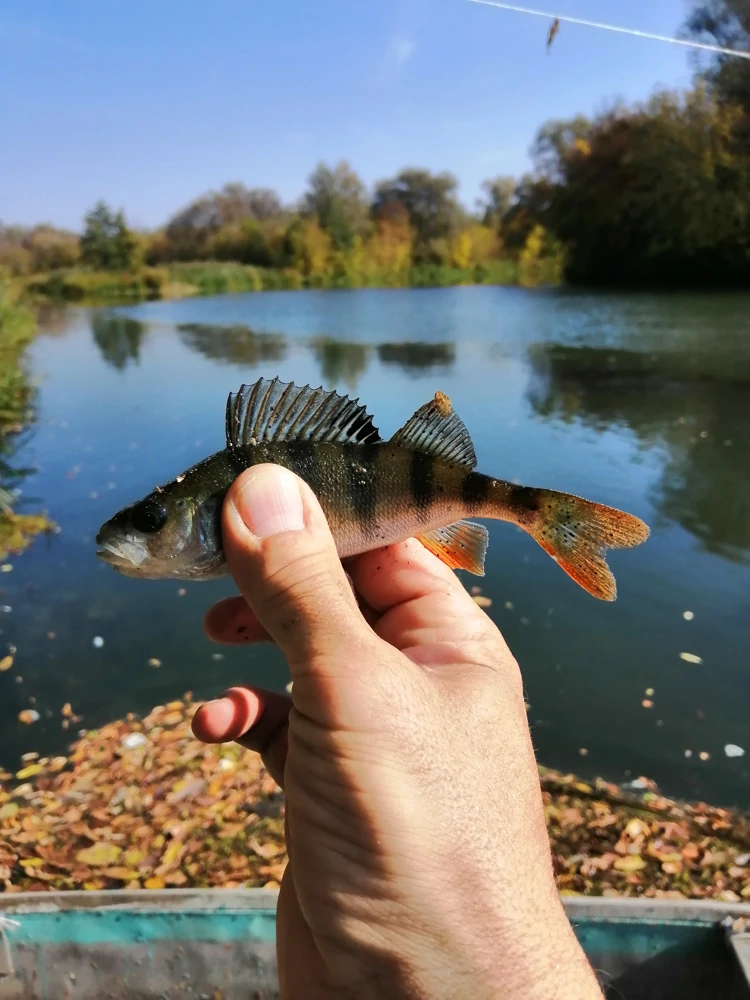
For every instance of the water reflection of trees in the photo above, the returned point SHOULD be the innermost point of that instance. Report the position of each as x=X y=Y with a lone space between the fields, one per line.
x=234 y=345
x=417 y=356
x=118 y=338
x=699 y=414
x=340 y=360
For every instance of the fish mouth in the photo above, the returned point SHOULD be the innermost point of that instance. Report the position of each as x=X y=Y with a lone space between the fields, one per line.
x=121 y=553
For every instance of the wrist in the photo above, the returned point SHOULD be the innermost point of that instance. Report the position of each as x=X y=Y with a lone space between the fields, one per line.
x=536 y=957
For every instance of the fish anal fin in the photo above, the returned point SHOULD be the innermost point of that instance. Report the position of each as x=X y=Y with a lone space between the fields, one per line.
x=436 y=429
x=271 y=410
x=461 y=545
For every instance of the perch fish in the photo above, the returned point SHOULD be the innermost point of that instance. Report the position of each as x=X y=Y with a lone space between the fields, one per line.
x=422 y=482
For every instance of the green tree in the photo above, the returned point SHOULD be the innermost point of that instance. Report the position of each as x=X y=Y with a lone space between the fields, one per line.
x=498 y=198
x=725 y=23
x=655 y=194
x=107 y=243
x=432 y=206
x=336 y=197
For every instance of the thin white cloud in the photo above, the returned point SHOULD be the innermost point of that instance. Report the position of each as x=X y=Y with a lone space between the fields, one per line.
x=400 y=50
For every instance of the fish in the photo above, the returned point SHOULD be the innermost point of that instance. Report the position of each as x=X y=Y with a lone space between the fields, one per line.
x=422 y=482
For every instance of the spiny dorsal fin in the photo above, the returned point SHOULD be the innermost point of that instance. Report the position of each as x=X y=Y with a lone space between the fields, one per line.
x=437 y=430
x=281 y=411
x=461 y=545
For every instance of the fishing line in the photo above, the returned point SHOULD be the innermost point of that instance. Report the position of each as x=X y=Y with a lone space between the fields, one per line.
x=614 y=27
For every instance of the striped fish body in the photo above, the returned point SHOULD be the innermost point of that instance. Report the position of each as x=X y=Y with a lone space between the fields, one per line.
x=378 y=494
x=422 y=482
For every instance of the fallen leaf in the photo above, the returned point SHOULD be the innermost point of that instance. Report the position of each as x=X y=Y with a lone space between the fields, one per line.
x=6 y=663
x=690 y=658
x=99 y=854
x=154 y=883
x=630 y=863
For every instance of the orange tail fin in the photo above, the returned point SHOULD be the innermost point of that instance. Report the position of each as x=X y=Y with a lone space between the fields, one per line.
x=576 y=533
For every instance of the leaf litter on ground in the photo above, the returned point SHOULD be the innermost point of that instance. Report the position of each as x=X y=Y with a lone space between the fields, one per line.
x=142 y=803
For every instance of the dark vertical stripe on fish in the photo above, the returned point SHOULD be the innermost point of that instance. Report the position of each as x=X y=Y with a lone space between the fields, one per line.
x=474 y=491
x=422 y=479
x=363 y=487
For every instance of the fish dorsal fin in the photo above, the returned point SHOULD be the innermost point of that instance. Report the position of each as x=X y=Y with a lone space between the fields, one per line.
x=461 y=545
x=436 y=429
x=271 y=410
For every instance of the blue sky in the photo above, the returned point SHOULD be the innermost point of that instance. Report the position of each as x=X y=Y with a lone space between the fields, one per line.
x=149 y=104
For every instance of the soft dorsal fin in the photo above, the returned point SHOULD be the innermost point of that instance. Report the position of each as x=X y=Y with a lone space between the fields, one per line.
x=461 y=545
x=436 y=429
x=271 y=410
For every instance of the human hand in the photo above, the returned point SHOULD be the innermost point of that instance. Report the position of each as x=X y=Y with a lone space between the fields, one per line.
x=419 y=861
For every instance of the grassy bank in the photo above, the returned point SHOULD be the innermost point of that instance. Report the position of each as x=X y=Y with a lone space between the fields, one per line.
x=140 y=803
x=17 y=329
x=216 y=278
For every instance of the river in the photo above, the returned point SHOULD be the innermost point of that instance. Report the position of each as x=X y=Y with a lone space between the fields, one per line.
x=639 y=401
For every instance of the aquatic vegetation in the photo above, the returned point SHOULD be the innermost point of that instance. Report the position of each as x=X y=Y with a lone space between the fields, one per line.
x=17 y=329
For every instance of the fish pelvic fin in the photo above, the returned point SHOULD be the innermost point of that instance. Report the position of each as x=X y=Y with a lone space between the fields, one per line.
x=436 y=429
x=272 y=410
x=574 y=531
x=461 y=545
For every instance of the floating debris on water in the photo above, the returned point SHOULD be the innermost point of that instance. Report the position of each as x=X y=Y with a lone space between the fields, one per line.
x=6 y=567
x=704 y=755
x=217 y=656
x=583 y=751
x=647 y=703
x=650 y=692
x=476 y=590
x=525 y=621
x=732 y=750
x=483 y=602
x=97 y=642
x=51 y=635
x=6 y=608
x=28 y=715
x=690 y=658
x=509 y=605
x=688 y=616
x=181 y=592
x=6 y=663
x=688 y=753
x=154 y=662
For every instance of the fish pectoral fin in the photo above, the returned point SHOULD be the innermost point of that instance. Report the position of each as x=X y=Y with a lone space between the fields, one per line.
x=461 y=545
x=272 y=410
x=436 y=429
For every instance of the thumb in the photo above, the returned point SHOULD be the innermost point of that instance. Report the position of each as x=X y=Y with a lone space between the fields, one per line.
x=283 y=558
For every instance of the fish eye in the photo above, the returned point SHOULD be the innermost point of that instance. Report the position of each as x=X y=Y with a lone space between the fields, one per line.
x=149 y=517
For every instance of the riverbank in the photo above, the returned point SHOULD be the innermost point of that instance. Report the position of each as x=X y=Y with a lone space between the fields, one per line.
x=17 y=330
x=217 y=278
x=140 y=803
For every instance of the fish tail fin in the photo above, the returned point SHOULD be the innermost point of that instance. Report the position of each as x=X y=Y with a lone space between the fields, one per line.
x=575 y=532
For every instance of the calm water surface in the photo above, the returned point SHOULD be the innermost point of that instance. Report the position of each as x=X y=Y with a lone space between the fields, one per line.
x=642 y=402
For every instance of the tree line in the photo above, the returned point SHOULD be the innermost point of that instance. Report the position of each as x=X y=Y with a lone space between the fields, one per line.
x=657 y=193
x=337 y=231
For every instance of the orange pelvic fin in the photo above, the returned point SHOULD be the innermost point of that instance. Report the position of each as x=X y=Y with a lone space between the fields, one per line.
x=461 y=545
